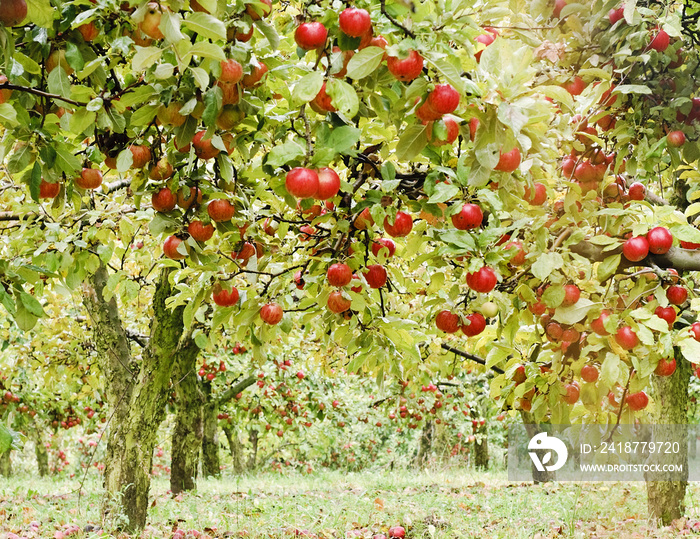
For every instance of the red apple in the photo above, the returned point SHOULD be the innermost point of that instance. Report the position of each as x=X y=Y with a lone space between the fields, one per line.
x=401 y=227
x=257 y=11
x=695 y=330
x=90 y=178
x=637 y=191
x=225 y=298
x=589 y=374
x=384 y=244
x=339 y=275
x=337 y=303
x=660 y=41
x=469 y=217
x=665 y=367
x=637 y=401
x=328 y=184
x=271 y=313
x=310 y=35
x=220 y=210
x=572 y=295
x=575 y=86
x=302 y=182
x=477 y=324
x=447 y=321
x=509 y=161
x=375 y=276
x=537 y=198
x=675 y=139
x=12 y=12
x=677 y=294
x=626 y=338
x=48 y=189
x=354 y=21
x=444 y=99
x=636 y=249
x=572 y=393
x=666 y=313
x=406 y=69
x=597 y=324
x=199 y=231
x=660 y=240
x=483 y=280
x=170 y=248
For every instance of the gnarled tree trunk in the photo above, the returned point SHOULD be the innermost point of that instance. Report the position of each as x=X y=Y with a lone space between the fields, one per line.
x=425 y=445
x=188 y=430
x=42 y=456
x=253 y=459
x=136 y=389
x=211 y=464
x=235 y=447
x=665 y=498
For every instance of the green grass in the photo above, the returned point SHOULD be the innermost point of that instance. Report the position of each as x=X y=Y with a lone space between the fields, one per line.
x=441 y=504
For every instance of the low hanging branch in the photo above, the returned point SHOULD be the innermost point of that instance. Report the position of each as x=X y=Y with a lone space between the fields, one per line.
x=472 y=357
x=677 y=258
x=40 y=93
x=232 y=391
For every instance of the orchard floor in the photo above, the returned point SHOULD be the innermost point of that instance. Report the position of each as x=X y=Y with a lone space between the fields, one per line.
x=445 y=504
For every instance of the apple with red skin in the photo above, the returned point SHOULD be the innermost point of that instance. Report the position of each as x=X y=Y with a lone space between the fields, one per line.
x=665 y=367
x=539 y=197
x=375 y=276
x=271 y=313
x=255 y=76
x=401 y=227
x=447 y=126
x=554 y=331
x=231 y=71
x=397 y=531
x=660 y=41
x=48 y=189
x=572 y=294
x=90 y=178
x=245 y=253
x=203 y=148
x=406 y=69
x=444 y=99
x=328 y=184
x=695 y=330
x=468 y=218
x=485 y=39
x=519 y=375
x=509 y=161
x=635 y=249
x=558 y=6
x=626 y=338
x=150 y=25
x=257 y=12
x=355 y=22
x=339 y=275
x=689 y=245
x=302 y=182
x=12 y=12
x=301 y=375
x=337 y=303
x=483 y=280
x=170 y=248
x=637 y=191
x=299 y=280
x=447 y=321
x=310 y=35
x=199 y=231
x=677 y=294
x=323 y=102
x=572 y=393
x=589 y=374
x=575 y=86
x=616 y=14
x=220 y=210
x=477 y=324
x=666 y=313
x=637 y=401
x=385 y=245
x=675 y=139
x=660 y=240
x=225 y=298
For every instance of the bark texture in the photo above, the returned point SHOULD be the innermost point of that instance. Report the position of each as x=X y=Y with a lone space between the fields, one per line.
x=533 y=428
x=211 y=464
x=236 y=448
x=481 y=449
x=425 y=445
x=136 y=389
x=6 y=464
x=665 y=498
x=188 y=430
x=42 y=456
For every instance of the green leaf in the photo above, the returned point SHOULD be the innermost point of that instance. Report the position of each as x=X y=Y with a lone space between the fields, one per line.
x=8 y=115
x=451 y=73
x=412 y=142
x=690 y=348
x=610 y=370
x=554 y=295
x=284 y=153
x=206 y=25
x=58 y=82
x=124 y=160
x=608 y=267
x=269 y=32
x=574 y=313
x=201 y=77
x=343 y=139
x=32 y=304
x=343 y=97
x=207 y=50
x=633 y=89
x=365 y=62
x=143 y=115
x=5 y=439
x=443 y=192
x=35 y=181
x=170 y=26
x=307 y=87
x=66 y=162
x=41 y=13
x=29 y=65
x=145 y=57
x=546 y=264
x=81 y=120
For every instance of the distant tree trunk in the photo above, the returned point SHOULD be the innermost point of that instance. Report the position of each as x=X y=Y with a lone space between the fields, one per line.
x=666 y=499
x=42 y=456
x=424 y=445
x=253 y=459
x=235 y=447
x=481 y=449
x=6 y=464
x=211 y=464
x=188 y=431
x=136 y=389
x=533 y=428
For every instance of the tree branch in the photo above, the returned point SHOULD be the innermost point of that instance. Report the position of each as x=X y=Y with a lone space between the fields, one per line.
x=677 y=258
x=235 y=390
x=467 y=355
x=395 y=22
x=40 y=93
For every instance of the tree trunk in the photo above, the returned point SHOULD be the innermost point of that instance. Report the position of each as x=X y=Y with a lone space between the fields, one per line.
x=136 y=388
x=481 y=449
x=188 y=430
x=666 y=499
x=236 y=448
x=211 y=464
x=425 y=445
x=253 y=460
x=42 y=456
x=5 y=464
x=533 y=428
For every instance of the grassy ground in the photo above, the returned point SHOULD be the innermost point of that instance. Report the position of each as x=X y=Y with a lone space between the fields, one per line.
x=446 y=504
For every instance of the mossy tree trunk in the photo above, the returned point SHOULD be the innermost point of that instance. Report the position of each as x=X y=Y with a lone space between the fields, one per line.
x=211 y=463
x=136 y=389
x=253 y=459
x=42 y=456
x=481 y=448
x=665 y=498
x=235 y=447
x=6 y=464
x=188 y=431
